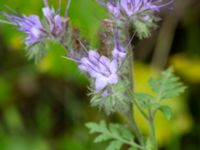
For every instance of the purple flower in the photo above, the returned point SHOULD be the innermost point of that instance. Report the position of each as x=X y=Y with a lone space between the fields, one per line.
x=155 y=5
x=119 y=52
x=56 y=22
x=101 y=68
x=132 y=7
x=113 y=8
x=30 y=25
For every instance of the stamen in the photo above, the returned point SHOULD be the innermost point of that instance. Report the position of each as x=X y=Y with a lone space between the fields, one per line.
x=46 y=3
x=129 y=43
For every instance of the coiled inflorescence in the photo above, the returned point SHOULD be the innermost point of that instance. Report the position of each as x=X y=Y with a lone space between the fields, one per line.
x=105 y=71
x=133 y=7
x=33 y=27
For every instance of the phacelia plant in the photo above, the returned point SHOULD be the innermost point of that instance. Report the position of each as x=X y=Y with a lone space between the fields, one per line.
x=111 y=74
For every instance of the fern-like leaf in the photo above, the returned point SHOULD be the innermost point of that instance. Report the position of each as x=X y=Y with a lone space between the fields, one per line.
x=115 y=133
x=114 y=145
x=144 y=100
x=166 y=110
x=167 y=86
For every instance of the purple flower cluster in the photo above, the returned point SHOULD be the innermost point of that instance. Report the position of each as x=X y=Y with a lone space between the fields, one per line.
x=30 y=25
x=119 y=53
x=133 y=7
x=57 y=24
x=101 y=68
x=33 y=28
x=104 y=70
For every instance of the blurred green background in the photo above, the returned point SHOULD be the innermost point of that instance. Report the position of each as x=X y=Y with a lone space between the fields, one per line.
x=44 y=106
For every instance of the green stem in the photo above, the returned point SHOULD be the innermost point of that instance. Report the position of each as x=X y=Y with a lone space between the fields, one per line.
x=152 y=128
x=130 y=113
x=134 y=126
x=138 y=106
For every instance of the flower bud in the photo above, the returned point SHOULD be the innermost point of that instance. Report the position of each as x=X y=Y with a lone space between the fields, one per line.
x=57 y=24
x=113 y=8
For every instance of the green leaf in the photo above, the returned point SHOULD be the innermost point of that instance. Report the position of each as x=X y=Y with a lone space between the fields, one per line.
x=126 y=133
x=102 y=137
x=114 y=145
x=167 y=86
x=114 y=129
x=166 y=110
x=144 y=100
x=115 y=133
x=94 y=128
x=132 y=148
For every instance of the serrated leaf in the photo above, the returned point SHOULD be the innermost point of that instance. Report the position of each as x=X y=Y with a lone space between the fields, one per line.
x=114 y=145
x=144 y=100
x=114 y=129
x=102 y=137
x=116 y=133
x=166 y=110
x=167 y=86
x=126 y=134
x=101 y=127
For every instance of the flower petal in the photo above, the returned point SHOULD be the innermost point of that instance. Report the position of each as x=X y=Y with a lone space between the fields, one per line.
x=114 y=66
x=93 y=73
x=100 y=83
x=93 y=56
x=104 y=60
x=113 y=79
x=93 y=53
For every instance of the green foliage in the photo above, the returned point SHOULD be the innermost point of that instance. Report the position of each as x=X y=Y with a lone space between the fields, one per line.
x=149 y=145
x=117 y=101
x=166 y=110
x=37 y=51
x=132 y=148
x=142 y=29
x=115 y=133
x=142 y=26
x=144 y=100
x=167 y=86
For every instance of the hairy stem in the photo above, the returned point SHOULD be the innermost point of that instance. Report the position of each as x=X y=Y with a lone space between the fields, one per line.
x=134 y=126
x=152 y=128
x=130 y=113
